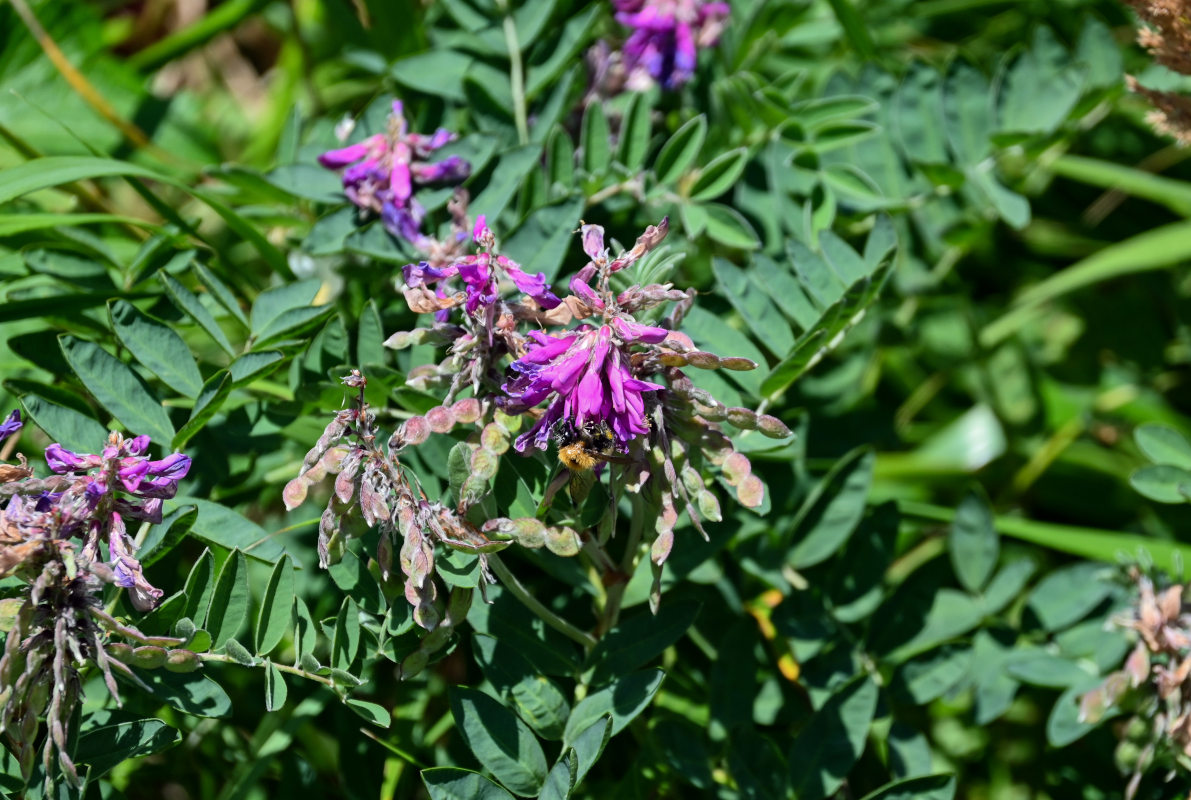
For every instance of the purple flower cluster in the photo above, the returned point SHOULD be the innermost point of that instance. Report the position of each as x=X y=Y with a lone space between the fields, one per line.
x=665 y=39
x=381 y=172
x=480 y=274
x=95 y=505
x=589 y=376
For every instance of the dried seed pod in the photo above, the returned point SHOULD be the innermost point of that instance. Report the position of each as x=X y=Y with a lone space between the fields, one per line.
x=413 y=431
x=703 y=360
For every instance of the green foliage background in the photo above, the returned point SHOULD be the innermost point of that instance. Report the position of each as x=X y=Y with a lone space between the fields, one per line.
x=942 y=229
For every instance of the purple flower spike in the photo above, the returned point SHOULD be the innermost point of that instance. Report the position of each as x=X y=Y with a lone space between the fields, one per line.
x=127 y=569
x=381 y=174
x=666 y=35
x=588 y=375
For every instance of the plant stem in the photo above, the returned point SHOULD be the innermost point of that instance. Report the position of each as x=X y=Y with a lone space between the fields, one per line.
x=533 y=604
x=301 y=673
x=628 y=566
x=516 y=75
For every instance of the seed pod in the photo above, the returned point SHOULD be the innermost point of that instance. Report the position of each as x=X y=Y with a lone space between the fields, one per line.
x=182 y=661
x=120 y=652
x=736 y=468
x=773 y=427
x=703 y=360
x=441 y=419
x=294 y=493
x=413 y=431
x=562 y=541
x=494 y=438
x=751 y=492
x=742 y=418
x=484 y=463
x=738 y=364
x=148 y=657
x=709 y=506
x=467 y=410
x=526 y=531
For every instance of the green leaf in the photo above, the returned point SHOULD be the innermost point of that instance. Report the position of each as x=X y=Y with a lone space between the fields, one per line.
x=500 y=741
x=229 y=603
x=210 y=399
x=1162 y=483
x=972 y=542
x=191 y=692
x=757 y=765
x=638 y=639
x=814 y=344
x=166 y=535
x=1170 y=192
x=273 y=303
x=72 y=430
x=1163 y=445
x=636 y=128
x=510 y=622
x=967 y=112
x=1006 y=585
x=345 y=645
x=624 y=699
x=680 y=150
x=595 y=141
x=534 y=697
x=192 y=307
x=825 y=750
x=923 y=787
x=1040 y=668
x=276 y=691
x=1045 y=63
x=218 y=524
x=200 y=586
x=728 y=226
x=373 y=712
x=219 y=290
x=542 y=241
x=452 y=783
x=931 y=675
x=755 y=303
x=154 y=344
x=510 y=171
x=117 y=388
x=103 y=747
x=720 y=174
x=832 y=510
x=439 y=72
x=276 y=615
x=1067 y=595
x=251 y=366
x=1063 y=726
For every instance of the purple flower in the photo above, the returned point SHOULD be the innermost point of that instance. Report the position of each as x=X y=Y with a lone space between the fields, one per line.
x=127 y=569
x=123 y=461
x=480 y=273
x=381 y=173
x=588 y=375
x=11 y=425
x=663 y=46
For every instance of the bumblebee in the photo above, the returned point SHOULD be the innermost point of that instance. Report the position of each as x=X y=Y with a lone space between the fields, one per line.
x=582 y=447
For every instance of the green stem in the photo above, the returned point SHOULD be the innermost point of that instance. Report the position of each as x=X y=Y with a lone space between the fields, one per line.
x=516 y=75
x=628 y=566
x=533 y=604
x=301 y=673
